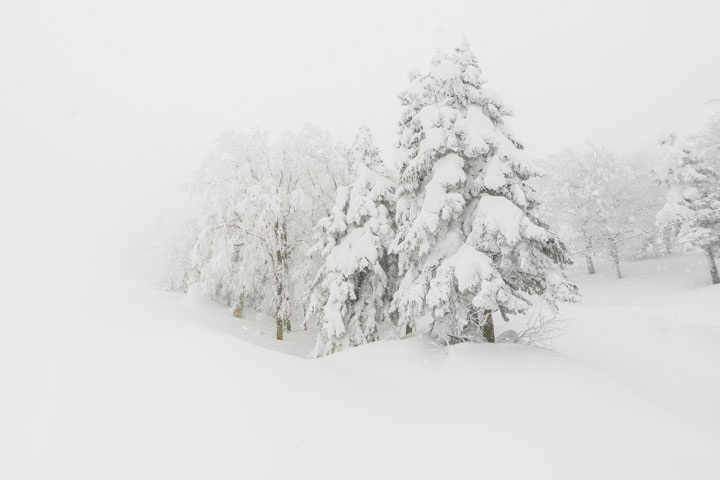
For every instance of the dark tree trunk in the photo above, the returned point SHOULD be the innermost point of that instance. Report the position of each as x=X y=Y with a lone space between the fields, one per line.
x=488 y=328
x=280 y=259
x=281 y=320
x=279 y=311
x=615 y=257
x=590 y=265
x=238 y=308
x=588 y=257
x=278 y=327
x=714 y=275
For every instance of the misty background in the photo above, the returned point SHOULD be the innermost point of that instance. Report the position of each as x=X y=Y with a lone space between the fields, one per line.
x=106 y=108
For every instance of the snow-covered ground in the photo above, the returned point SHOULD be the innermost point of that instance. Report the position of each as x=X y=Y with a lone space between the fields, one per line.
x=656 y=332
x=126 y=382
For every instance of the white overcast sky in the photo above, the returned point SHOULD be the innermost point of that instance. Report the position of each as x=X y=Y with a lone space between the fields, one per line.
x=121 y=100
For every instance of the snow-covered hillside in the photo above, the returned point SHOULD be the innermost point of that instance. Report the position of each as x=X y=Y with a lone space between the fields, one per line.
x=359 y=240
x=657 y=332
x=138 y=384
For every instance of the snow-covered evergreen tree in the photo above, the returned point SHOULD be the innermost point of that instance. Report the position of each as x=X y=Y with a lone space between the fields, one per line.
x=469 y=242
x=355 y=283
x=692 y=171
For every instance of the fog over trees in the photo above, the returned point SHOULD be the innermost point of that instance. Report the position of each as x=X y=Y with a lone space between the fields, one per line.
x=338 y=240
x=458 y=231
